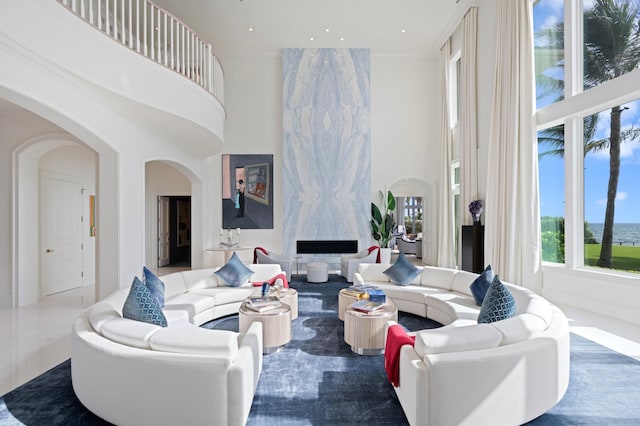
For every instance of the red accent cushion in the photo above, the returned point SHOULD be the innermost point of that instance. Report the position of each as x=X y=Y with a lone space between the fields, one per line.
x=396 y=338
x=272 y=281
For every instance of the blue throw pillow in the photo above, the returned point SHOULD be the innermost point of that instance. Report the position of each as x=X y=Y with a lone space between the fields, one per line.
x=234 y=273
x=402 y=271
x=155 y=285
x=481 y=284
x=498 y=303
x=141 y=305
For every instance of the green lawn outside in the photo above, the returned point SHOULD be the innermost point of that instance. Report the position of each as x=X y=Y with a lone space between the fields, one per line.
x=625 y=258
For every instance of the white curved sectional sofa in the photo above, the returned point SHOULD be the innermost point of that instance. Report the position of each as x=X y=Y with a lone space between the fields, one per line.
x=503 y=373
x=134 y=373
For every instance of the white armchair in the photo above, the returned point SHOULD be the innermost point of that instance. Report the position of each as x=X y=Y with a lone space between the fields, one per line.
x=261 y=255
x=406 y=246
x=349 y=263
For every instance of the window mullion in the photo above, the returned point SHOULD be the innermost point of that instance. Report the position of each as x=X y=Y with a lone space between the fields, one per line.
x=573 y=48
x=574 y=184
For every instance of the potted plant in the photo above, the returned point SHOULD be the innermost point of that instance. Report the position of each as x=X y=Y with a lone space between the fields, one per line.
x=382 y=226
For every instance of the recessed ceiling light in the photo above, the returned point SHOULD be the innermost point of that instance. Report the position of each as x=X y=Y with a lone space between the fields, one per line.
x=403 y=30
x=250 y=29
x=327 y=30
x=310 y=38
x=341 y=38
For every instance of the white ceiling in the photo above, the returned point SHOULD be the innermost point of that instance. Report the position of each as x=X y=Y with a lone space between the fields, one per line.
x=277 y=24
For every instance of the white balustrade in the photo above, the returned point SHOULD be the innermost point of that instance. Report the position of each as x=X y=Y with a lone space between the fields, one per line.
x=154 y=33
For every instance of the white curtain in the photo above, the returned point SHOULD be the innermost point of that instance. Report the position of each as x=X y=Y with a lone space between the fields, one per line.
x=512 y=238
x=468 y=115
x=446 y=235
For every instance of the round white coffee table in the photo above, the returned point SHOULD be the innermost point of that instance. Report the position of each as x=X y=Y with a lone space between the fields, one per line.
x=364 y=332
x=276 y=325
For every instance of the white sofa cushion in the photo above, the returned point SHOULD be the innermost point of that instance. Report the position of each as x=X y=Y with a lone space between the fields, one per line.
x=173 y=284
x=100 y=313
x=412 y=293
x=519 y=328
x=433 y=276
x=196 y=340
x=129 y=332
x=539 y=307
x=456 y=339
x=224 y=295
x=190 y=302
x=199 y=278
x=462 y=282
x=373 y=272
x=449 y=306
x=264 y=272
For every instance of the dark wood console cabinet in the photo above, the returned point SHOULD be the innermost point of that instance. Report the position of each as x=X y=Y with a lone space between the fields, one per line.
x=472 y=256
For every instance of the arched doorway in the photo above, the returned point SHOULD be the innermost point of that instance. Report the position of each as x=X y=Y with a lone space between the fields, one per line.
x=411 y=187
x=53 y=249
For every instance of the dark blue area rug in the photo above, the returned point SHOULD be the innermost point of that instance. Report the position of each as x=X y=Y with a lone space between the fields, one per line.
x=317 y=380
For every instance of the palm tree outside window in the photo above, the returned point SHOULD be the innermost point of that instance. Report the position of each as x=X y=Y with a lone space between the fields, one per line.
x=610 y=138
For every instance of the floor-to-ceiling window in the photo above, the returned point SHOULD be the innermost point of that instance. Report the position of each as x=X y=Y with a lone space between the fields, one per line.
x=588 y=118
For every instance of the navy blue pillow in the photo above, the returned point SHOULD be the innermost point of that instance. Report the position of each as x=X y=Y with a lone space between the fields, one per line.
x=155 y=285
x=498 y=303
x=141 y=305
x=402 y=272
x=481 y=284
x=234 y=273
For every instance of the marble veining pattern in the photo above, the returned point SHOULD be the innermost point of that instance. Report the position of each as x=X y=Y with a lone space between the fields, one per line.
x=326 y=145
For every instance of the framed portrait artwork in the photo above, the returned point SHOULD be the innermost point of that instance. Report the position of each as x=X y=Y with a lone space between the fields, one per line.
x=247 y=191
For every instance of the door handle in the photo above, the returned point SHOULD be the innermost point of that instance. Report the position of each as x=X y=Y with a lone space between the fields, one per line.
x=50 y=251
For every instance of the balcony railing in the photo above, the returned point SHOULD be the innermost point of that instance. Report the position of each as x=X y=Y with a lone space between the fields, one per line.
x=156 y=34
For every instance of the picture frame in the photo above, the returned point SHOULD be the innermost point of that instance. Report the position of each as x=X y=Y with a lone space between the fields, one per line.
x=257 y=184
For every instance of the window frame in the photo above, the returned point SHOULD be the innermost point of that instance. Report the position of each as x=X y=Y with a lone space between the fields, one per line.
x=571 y=110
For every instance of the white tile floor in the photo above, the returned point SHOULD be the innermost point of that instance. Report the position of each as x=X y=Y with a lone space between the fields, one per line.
x=35 y=338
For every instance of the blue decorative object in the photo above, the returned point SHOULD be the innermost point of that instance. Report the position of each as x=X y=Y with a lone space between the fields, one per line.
x=498 y=303
x=376 y=295
x=154 y=284
x=141 y=305
x=402 y=271
x=234 y=273
x=481 y=284
x=265 y=288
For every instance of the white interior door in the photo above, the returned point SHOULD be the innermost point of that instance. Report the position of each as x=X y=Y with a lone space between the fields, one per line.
x=60 y=235
x=163 y=231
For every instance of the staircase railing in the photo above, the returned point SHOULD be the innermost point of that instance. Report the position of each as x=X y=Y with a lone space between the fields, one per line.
x=156 y=34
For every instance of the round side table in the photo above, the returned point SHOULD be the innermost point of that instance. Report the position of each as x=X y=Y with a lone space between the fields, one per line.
x=346 y=298
x=364 y=332
x=289 y=296
x=276 y=325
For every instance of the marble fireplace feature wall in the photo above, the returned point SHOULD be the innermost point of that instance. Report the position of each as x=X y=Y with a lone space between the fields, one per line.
x=326 y=145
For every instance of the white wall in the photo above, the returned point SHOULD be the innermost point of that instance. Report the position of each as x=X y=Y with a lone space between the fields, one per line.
x=123 y=133
x=404 y=124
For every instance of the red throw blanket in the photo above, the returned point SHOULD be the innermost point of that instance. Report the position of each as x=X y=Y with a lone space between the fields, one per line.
x=396 y=338
x=273 y=280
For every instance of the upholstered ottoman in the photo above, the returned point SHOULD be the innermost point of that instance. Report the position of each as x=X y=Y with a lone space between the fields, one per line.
x=317 y=272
